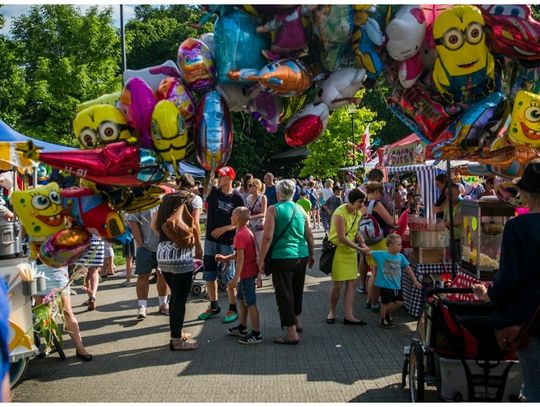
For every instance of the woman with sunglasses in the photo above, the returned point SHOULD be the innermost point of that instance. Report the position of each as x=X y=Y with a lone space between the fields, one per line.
x=256 y=203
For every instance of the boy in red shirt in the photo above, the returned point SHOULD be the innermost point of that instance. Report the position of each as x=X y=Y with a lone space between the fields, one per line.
x=244 y=278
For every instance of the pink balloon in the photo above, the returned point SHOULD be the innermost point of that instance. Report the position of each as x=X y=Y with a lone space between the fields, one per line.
x=65 y=247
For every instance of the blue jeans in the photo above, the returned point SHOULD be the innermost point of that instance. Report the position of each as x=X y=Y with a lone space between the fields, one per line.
x=246 y=291
x=211 y=266
x=529 y=360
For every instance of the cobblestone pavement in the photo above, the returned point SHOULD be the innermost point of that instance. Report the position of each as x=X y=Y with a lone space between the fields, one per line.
x=132 y=362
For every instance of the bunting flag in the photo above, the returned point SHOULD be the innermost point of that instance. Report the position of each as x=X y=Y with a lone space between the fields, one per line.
x=366 y=143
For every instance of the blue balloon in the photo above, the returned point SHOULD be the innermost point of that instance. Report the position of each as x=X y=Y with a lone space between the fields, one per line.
x=237 y=44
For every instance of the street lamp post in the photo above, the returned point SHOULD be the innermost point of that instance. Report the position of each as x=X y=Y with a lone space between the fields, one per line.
x=352 y=112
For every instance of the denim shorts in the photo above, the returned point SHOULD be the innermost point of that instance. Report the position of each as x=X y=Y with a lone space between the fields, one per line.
x=146 y=261
x=211 y=267
x=246 y=291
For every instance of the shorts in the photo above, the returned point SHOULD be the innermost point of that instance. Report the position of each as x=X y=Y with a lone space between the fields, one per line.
x=246 y=291
x=128 y=248
x=55 y=279
x=109 y=251
x=389 y=296
x=146 y=261
x=211 y=267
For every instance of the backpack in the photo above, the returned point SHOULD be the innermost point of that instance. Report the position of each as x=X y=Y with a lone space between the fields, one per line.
x=369 y=227
x=179 y=227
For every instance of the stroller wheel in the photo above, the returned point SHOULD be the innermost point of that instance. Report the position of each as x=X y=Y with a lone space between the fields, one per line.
x=196 y=289
x=404 y=371
x=416 y=372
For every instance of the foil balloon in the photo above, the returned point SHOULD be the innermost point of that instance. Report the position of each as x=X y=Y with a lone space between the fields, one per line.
x=169 y=133
x=513 y=32
x=267 y=11
x=237 y=97
x=109 y=99
x=525 y=125
x=266 y=109
x=406 y=33
x=307 y=125
x=90 y=211
x=464 y=69
x=98 y=125
x=131 y=200
x=137 y=103
x=213 y=132
x=284 y=77
x=333 y=25
x=418 y=110
x=340 y=87
x=208 y=40
x=118 y=164
x=65 y=247
x=196 y=65
x=510 y=161
x=153 y=75
x=366 y=39
x=40 y=211
x=173 y=89
x=508 y=193
x=289 y=40
x=239 y=45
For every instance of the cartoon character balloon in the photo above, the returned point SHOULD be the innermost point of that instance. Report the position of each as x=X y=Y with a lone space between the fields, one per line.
x=137 y=103
x=173 y=89
x=153 y=75
x=196 y=65
x=284 y=77
x=266 y=109
x=307 y=125
x=98 y=125
x=108 y=99
x=340 y=87
x=525 y=125
x=130 y=200
x=238 y=46
x=169 y=133
x=213 y=132
x=464 y=68
x=65 y=247
x=513 y=32
x=365 y=40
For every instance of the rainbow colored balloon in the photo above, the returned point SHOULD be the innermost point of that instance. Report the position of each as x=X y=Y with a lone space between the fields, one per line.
x=173 y=90
x=213 y=132
x=65 y=247
x=196 y=65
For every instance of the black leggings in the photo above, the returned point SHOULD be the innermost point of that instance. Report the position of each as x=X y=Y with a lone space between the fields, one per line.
x=288 y=277
x=179 y=284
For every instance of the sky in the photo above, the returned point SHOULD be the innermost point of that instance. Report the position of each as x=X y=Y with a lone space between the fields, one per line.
x=15 y=10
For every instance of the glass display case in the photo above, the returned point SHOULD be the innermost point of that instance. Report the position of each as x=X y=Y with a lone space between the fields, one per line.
x=481 y=237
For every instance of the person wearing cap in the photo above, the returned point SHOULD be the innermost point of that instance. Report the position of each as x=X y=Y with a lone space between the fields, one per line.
x=515 y=291
x=221 y=202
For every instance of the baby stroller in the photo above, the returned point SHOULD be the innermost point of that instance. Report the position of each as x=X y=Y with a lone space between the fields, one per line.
x=457 y=352
x=198 y=284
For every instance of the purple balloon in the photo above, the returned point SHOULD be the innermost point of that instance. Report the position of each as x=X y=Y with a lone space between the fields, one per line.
x=266 y=109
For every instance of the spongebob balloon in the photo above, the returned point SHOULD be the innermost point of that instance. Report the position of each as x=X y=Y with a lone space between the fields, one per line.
x=40 y=211
x=169 y=132
x=464 y=68
x=525 y=125
x=101 y=124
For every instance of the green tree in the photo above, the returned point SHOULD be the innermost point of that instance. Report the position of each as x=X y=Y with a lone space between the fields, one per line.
x=333 y=150
x=68 y=57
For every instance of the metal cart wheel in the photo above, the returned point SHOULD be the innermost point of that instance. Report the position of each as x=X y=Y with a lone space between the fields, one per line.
x=404 y=371
x=416 y=372
x=196 y=289
x=17 y=370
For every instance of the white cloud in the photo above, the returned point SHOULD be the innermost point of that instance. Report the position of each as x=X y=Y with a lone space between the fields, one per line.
x=11 y=11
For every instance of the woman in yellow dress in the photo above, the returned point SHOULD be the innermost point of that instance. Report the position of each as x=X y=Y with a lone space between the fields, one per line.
x=343 y=233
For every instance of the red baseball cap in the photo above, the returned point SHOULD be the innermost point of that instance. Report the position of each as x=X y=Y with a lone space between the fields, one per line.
x=226 y=172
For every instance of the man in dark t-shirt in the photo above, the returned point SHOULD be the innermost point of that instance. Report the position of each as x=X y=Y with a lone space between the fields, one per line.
x=219 y=240
x=270 y=191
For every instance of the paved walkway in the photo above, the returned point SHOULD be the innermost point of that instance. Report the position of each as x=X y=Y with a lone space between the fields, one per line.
x=132 y=363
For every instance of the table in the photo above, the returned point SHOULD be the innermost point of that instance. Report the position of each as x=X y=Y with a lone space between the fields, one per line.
x=414 y=298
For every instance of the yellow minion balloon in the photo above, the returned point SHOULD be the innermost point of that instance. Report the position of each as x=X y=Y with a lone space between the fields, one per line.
x=98 y=125
x=464 y=68
x=169 y=132
x=525 y=125
x=40 y=210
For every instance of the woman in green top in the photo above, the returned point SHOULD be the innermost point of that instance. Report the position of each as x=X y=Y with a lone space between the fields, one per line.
x=286 y=229
x=343 y=233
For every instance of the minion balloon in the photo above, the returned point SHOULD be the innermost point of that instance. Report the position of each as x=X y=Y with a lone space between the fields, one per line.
x=464 y=68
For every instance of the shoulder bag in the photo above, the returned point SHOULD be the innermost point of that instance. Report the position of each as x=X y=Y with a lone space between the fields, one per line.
x=268 y=258
x=329 y=250
x=179 y=226
x=515 y=337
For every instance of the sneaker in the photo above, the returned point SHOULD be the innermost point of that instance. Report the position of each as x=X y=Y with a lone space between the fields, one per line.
x=250 y=339
x=230 y=316
x=236 y=331
x=383 y=324
x=125 y=283
x=209 y=313
x=141 y=314
x=164 y=309
x=389 y=319
x=360 y=290
x=375 y=308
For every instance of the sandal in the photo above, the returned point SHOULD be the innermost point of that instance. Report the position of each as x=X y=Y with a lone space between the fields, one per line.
x=283 y=340
x=182 y=345
x=91 y=303
x=186 y=336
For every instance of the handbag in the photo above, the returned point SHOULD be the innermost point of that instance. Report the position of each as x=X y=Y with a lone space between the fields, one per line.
x=268 y=257
x=179 y=226
x=515 y=337
x=329 y=250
